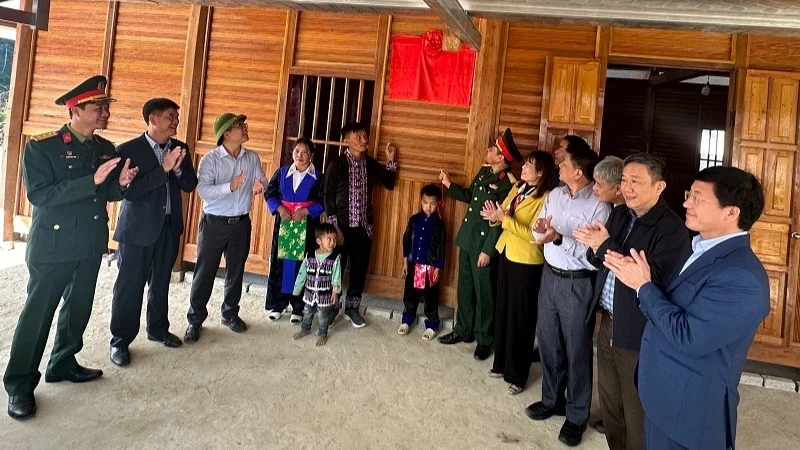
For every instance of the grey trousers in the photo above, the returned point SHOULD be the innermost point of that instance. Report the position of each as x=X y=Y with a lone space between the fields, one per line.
x=565 y=343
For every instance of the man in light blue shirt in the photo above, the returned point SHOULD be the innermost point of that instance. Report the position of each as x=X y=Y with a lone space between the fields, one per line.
x=565 y=296
x=228 y=178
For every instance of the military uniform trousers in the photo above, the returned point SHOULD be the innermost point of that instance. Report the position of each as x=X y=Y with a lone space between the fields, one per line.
x=565 y=342
x=475 y=314
x=620 y=406
x=138 y=265
x=75 y=281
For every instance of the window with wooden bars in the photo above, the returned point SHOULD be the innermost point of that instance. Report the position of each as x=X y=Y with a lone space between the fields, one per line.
x=319 y=107
x=712 y=148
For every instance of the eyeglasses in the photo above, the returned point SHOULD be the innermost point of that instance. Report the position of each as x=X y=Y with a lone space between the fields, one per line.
x=689 y=195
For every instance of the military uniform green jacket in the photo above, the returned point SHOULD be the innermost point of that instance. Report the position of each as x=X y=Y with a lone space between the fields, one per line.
x=70 y=221
x=475 y=234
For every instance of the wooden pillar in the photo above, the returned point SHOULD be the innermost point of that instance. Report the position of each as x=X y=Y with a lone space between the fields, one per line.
x=485 y=94
x=602 y=48
x=194 y=66
x=14 y=139
x=287 y=60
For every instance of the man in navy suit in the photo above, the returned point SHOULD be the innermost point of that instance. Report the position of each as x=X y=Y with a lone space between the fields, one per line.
x=149 y=228
x=699 y=329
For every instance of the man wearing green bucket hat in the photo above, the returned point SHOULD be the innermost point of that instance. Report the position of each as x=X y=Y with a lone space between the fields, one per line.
x=228 y=178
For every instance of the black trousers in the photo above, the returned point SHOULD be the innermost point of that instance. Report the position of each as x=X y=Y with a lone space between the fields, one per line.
x=411 y=296
x=515 y=314
x=138 y=265
x=219 y=237
x=356 y=249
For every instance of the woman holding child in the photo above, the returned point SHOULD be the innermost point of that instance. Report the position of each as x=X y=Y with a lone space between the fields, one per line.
x=294 y=197
x=519 y=271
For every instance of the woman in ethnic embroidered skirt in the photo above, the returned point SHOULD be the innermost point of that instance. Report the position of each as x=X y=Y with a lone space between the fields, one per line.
x=519 y=271
x=294 y=197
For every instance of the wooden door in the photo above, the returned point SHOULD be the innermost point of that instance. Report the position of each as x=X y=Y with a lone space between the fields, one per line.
x=569 y=101
x=765 y=143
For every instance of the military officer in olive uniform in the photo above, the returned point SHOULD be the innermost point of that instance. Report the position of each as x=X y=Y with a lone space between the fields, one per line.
x=476 y=240
x=70 y=175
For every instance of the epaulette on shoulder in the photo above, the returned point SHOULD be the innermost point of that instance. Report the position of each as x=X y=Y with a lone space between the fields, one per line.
x=511 y=178
x=43 y=136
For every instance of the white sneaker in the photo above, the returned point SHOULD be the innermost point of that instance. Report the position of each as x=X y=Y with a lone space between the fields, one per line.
x=274 y=315
x=295 y=318
x=403 y=329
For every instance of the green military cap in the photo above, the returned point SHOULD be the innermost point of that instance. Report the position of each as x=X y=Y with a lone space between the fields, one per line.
x=505 y=142
x=91 y=90
x=225 y=122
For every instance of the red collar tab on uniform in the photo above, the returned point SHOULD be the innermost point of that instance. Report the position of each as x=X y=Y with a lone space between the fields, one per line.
x=502 y=174
x=85 y=97
x=67 y=137
x=504 y=150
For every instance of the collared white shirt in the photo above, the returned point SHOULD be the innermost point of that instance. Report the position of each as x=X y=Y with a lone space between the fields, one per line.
x=214 y=174
x=297 y=176
x=700 y=246
x=160 y=154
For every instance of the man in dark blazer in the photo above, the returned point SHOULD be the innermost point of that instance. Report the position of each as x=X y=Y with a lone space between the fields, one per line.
x=701 y=325
x=643 y=222
x=149 y=228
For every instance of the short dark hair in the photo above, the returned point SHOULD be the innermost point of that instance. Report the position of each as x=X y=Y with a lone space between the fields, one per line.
x=583 y=158
x=305 y=141
x=324 y=229
x=157 y=105
x=431 y=190
x=576 y=142
x=82 y=106
x=656 y=166
x=352 y=127
x=736 y=187
x=544 y=162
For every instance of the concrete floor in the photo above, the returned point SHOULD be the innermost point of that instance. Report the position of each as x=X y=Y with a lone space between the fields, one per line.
x=368 y=388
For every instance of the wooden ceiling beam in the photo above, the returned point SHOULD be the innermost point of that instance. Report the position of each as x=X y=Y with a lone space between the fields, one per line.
x=676 y=75
x=456 y=18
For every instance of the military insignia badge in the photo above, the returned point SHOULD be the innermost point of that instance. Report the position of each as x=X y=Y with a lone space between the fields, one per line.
x=493 y=186
x=67 y=137
x=501 y=175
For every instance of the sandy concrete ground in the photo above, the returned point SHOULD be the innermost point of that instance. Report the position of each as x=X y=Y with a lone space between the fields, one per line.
x=368 y=388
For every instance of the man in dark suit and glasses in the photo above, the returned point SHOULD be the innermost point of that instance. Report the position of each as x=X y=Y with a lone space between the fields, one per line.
x=149 y=228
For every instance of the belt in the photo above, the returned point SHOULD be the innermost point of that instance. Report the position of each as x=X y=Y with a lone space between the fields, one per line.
x=583 y=273
x=228 y=219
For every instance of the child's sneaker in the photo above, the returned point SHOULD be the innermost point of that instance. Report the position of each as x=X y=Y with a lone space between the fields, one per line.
x=274 y=315
x=295 y=318
x=429 y=334
x=403 y=329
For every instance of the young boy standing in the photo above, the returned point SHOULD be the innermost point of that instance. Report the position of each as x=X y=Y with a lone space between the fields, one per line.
x=321 y=276
x=423 y=252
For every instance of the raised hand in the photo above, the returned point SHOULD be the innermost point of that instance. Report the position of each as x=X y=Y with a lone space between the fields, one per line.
x=171 y=158
x=102 y=172
x=592 y=235
x=177 y=167
x=128 y=174
x=391 y=152
x=549 y=234
x=238 y=181
x=444 y=177
x=492 y=211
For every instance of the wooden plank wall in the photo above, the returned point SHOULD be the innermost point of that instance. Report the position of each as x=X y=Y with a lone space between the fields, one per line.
x=246 y=56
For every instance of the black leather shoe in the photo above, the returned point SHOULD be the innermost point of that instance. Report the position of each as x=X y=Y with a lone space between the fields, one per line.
x=21 y=407
x=79 y=374
x=168 y=340
x=453 y=338
x=482 y=352
x=120 y=356
x=236 y=324
x=571 y=434
x=540 y=411
x=192 y=334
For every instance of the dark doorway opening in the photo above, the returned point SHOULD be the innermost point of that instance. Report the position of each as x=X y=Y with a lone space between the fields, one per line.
x=677 y=114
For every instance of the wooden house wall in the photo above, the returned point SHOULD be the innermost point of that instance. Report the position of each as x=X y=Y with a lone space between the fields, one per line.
x=211 y=60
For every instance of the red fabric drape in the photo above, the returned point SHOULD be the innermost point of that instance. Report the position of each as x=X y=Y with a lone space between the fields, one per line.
x=442 y=77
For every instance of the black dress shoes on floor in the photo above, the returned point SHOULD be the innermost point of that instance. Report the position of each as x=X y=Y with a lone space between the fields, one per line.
x=540 y=411
x=21 y=407
x=482 y=352
x=571 y=434
x=79 y=374
x=192 y=334
x=168 y=340
x=236 y=324
x=453 y=338
x=120 y=356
